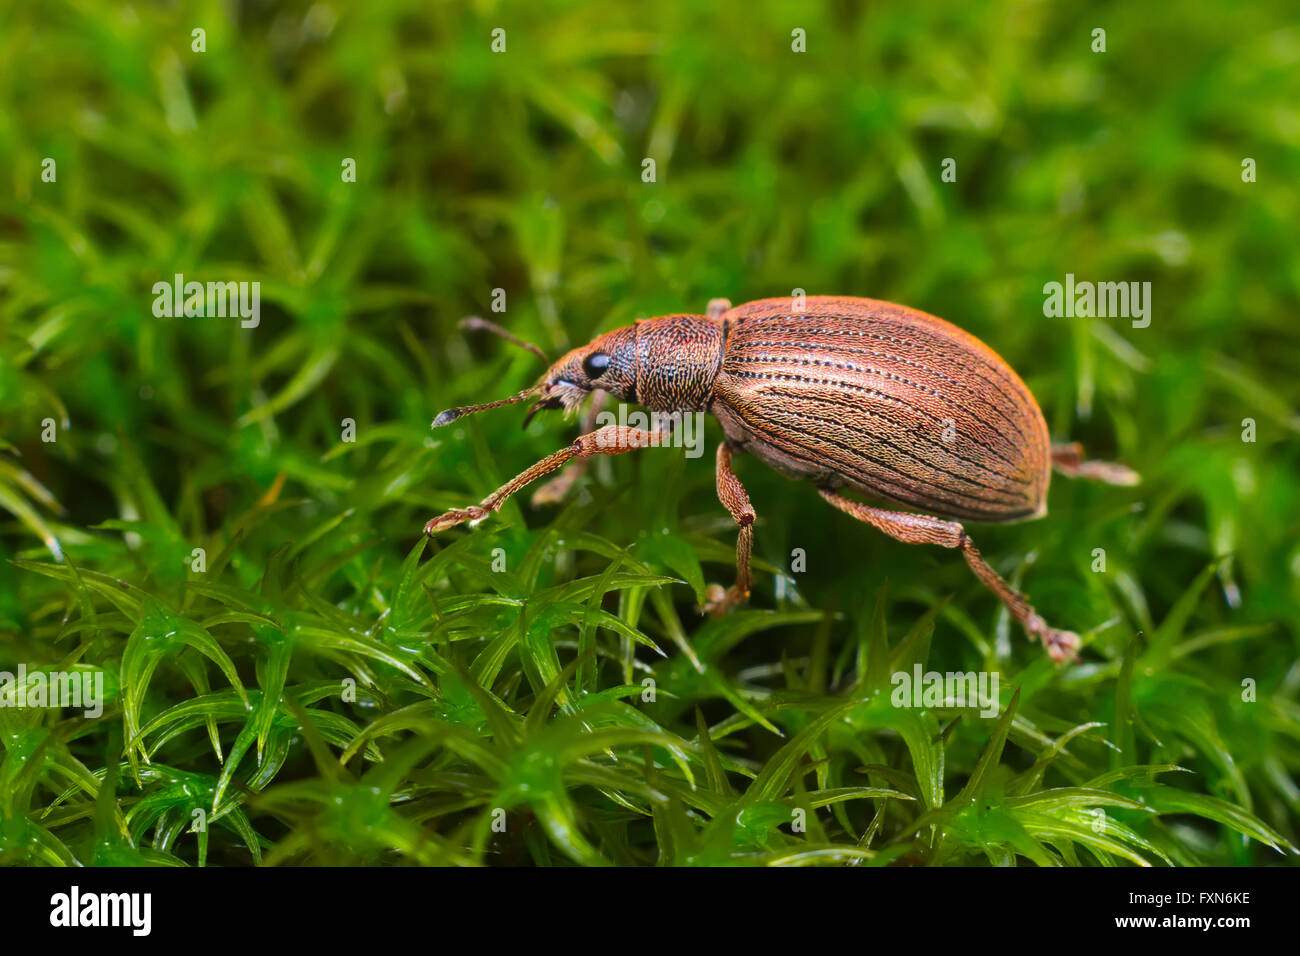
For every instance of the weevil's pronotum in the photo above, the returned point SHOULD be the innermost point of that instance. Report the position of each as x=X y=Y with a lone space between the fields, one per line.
x=847 y=393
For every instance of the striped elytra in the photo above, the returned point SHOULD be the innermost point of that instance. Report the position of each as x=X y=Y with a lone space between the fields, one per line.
x=890 y=401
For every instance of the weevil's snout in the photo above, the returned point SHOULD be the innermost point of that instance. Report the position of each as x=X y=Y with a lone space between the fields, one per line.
x=607 y=363
x=558 y=393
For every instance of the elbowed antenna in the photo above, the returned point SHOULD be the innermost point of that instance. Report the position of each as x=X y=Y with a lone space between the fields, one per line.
x=473 y=322
x=451 y=414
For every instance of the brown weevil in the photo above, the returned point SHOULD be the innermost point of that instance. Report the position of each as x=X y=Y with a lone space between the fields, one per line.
x=848 y=393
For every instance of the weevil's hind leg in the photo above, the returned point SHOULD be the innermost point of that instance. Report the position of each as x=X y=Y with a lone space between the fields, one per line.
x=553 y=491
x=610 y=440
x=923 y=529
x=734 y=498
x=1068 y=460
x=717 y=307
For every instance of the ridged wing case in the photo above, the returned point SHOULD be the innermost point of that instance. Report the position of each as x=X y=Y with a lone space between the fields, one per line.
x=896 y=403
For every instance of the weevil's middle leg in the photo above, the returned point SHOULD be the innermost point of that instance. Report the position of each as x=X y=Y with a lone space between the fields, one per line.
x=717 y=307
x=923 y=529
x=610 y=440
x=734 y=498
x=554 y=490
x=1068 y=460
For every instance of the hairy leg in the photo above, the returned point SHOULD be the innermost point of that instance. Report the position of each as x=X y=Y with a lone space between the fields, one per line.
x=554 y=490
x=733 y=497
x=610 y=440
x=717 y=307
x=923 y=529
x=1068 y=460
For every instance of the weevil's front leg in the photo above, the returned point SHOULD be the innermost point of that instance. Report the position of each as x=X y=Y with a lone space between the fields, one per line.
x=733 y=497
x=1068 y=460
x=554 y=490
x=610 y=440
x=717 y=307
x=923 y=529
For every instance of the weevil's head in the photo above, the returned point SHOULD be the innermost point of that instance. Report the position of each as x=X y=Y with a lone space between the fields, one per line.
x=666 y=364
x=607 y=363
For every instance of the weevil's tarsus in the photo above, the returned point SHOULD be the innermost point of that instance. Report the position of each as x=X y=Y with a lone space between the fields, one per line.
x=924 y=529
x=1068 y=460
x=478 y=324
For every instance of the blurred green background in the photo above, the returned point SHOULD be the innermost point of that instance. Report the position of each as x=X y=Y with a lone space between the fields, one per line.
x=329 y=688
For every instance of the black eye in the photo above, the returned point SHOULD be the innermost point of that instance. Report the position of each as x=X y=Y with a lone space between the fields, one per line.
x=595 y=364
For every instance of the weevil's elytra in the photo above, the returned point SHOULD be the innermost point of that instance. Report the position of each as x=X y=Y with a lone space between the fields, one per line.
x=895 y=403
x=846 y=393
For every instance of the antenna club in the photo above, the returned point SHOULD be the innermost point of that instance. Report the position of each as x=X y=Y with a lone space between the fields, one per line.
x=451 y=414
x=447 y=417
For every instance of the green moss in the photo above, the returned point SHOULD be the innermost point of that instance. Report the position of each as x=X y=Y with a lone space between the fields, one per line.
x=330 y=688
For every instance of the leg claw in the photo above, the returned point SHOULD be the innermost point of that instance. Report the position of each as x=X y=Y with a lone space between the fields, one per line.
x=718 y=601
x=454 y=517
x=1061 y=645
